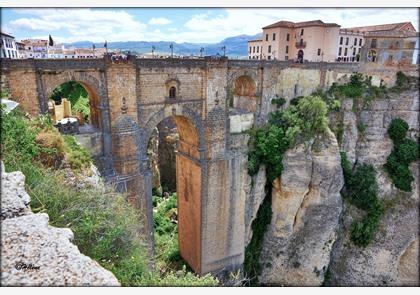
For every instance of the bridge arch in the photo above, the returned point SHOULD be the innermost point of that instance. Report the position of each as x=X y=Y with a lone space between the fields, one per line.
x=190 y=169
x=95 y=89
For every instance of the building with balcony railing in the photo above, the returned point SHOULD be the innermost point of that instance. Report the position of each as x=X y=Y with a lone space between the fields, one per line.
x=301 y=41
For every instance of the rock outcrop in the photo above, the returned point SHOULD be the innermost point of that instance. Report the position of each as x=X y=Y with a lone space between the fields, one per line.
x=392 y=257
x=306 y=206
x=37 y=254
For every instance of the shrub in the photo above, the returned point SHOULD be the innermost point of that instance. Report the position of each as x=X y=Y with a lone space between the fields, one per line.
x=361 y=127
x=405 y=151
x=397 y=130
x=252 y=266
x=363 y=231
x=51 y=148
x=402 y=82
x=279 y=101
x=361 y=190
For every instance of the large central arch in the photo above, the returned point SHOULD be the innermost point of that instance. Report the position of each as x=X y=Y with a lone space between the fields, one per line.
x=189 y=173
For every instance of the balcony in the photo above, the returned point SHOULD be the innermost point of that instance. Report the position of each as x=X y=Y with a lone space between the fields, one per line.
x=300 y=45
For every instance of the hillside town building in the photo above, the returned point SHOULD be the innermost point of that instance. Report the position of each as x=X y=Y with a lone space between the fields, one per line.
x=8 y=46
x=390 y=44
x=255 y=49
x=350 y=44
x=302 y=41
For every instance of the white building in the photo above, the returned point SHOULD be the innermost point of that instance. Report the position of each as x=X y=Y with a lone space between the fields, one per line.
x=8 y=46
x=21 y=49
x=36 y=48
x=350 y=43
x=255 y=49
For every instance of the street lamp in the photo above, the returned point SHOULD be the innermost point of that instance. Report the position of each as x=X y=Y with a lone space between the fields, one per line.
x=201 y=51
x=224 y=51
x=172 y=50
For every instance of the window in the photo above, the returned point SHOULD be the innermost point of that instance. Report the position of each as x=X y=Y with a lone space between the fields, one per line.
x=354 y=50
x=269 y=48
x=355 y=41
x=390 y=58
x=250 y=49
x=301 y=32
x=287 y=49
x=253 y=49
x=339 y=51
x=301 y=41
x=360 y=42
x=269 y=57
x=347 y=40
x=172 y=92
x=286 y=58
x=359 y=50
x=373 y=43
x=266 y=37
x=288 y=37
x=274 y=36
x=371 y=56
x=345 y=51
x=341 y=40
x=319 y=51
x=258 y=49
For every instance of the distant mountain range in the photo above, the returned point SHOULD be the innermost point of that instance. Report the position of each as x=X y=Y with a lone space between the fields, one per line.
x=235 y=46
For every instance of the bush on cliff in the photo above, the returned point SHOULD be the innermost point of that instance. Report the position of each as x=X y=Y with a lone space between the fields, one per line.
x=405 y=151
x=361 y=190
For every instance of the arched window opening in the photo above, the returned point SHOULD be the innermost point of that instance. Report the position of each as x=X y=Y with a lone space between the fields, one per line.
x=172 y=92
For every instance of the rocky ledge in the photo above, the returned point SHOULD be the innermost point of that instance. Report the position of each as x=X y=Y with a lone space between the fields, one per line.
x=35 y=253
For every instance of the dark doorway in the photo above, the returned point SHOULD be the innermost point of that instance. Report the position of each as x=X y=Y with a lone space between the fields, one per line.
x=300 y=56
x=172 y=92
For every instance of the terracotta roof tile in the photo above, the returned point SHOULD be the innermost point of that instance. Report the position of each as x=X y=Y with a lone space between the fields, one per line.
x=287 y=24
x=383 y=27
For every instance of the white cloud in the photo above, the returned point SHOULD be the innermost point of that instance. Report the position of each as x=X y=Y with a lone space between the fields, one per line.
x=82 y=24
x=159 y=21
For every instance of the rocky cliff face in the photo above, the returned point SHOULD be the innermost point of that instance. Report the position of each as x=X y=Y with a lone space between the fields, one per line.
x=392 y=257
x=307 y=243
x=306 y=205
x=35 y=253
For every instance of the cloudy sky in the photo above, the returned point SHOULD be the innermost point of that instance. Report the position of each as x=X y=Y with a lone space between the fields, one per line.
x=178 y=24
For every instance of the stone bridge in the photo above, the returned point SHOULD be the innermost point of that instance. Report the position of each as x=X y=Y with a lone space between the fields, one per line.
x=212 y=102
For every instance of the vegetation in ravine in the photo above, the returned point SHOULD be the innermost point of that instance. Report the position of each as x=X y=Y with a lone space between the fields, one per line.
x=361 y=190
x=105 y=226
x=303 y=119
x=405 y=151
